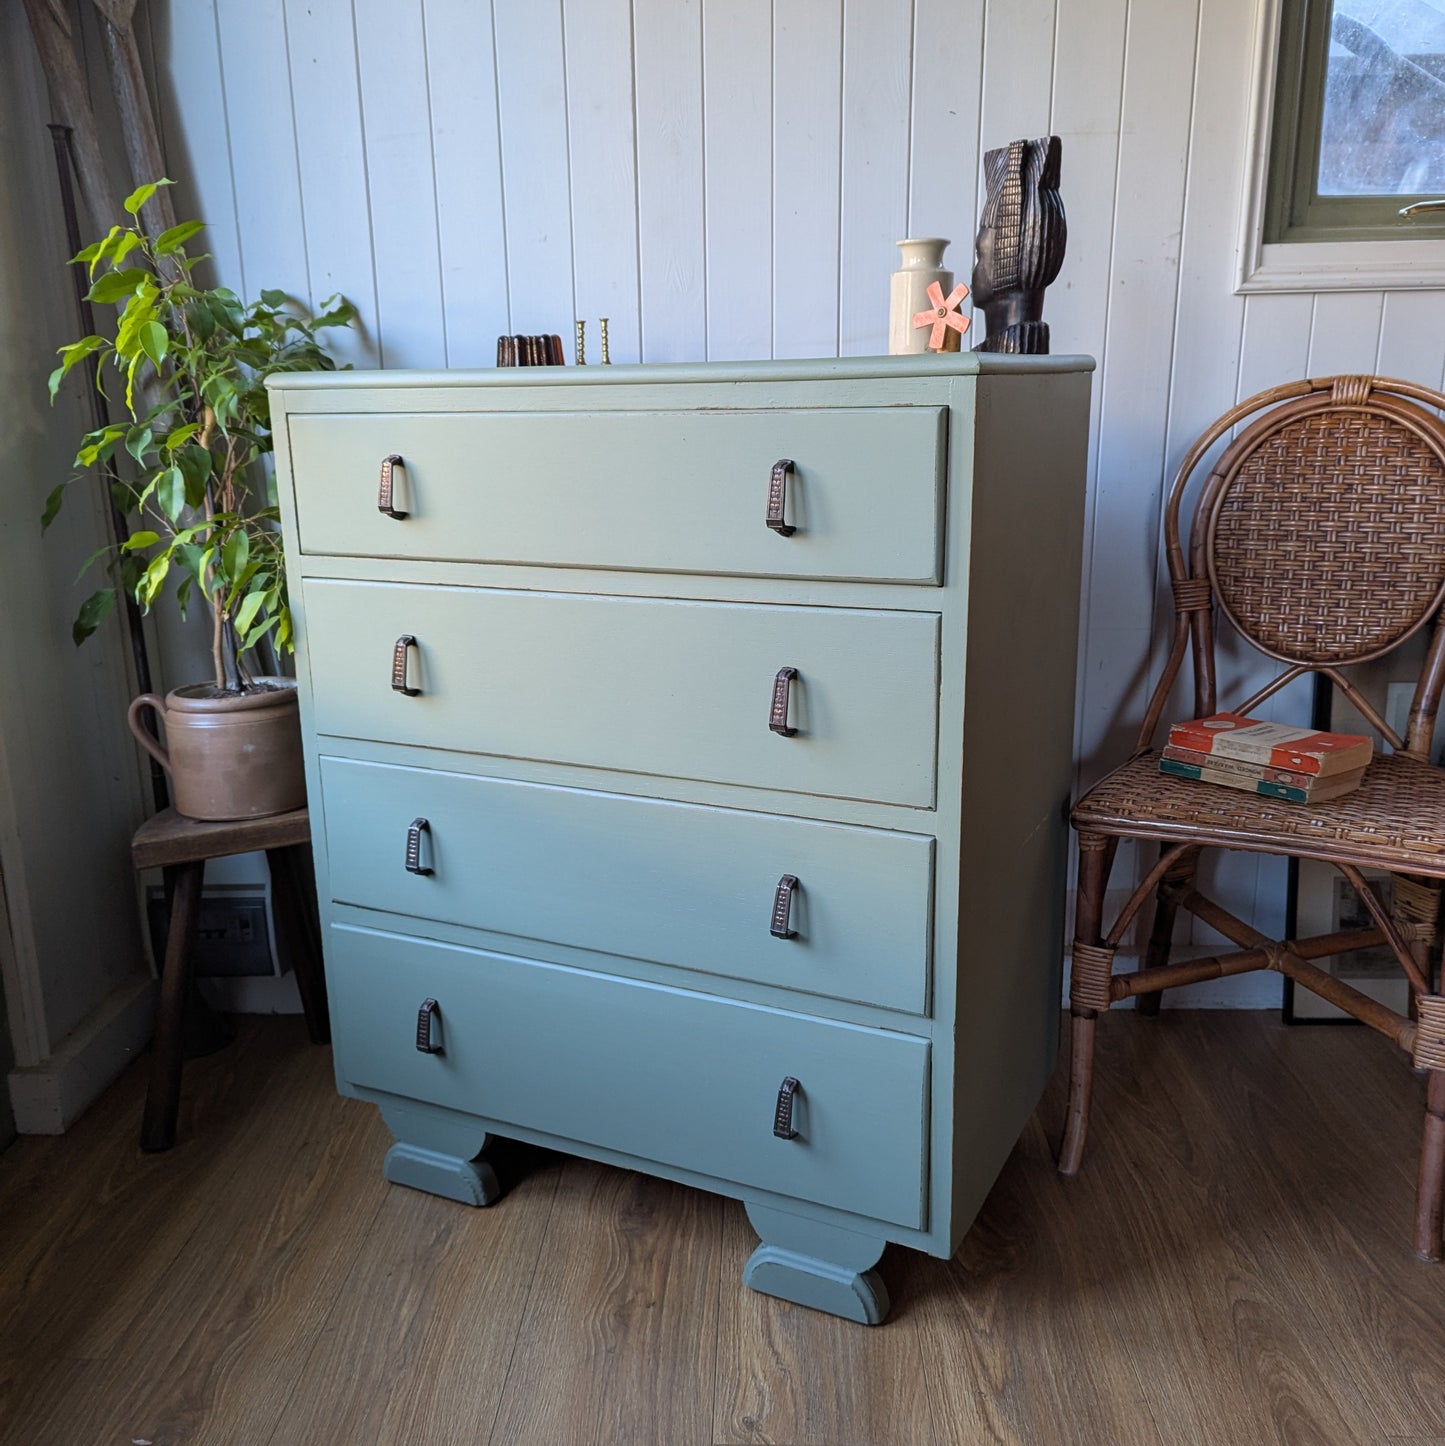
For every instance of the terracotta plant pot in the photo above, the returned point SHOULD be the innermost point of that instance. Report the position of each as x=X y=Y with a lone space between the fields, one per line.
x=228 y=757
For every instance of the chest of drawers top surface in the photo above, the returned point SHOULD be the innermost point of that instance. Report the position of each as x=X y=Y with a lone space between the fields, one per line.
x=663 y=469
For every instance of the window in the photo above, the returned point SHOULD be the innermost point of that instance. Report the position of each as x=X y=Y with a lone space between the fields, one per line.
x=1358 y=131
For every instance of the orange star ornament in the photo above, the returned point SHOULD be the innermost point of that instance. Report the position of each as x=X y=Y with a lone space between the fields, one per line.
x=945 y=314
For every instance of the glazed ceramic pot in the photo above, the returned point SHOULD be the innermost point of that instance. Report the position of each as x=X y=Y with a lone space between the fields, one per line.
x=230 y=756
x=920 y=264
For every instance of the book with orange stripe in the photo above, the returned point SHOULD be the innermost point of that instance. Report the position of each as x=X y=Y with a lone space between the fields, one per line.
x=1273 y=745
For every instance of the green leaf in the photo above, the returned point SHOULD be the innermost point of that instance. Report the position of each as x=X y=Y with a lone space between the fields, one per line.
x=138 y=442
x=52 y=505
x=273 y=299
x=246 y=613
x=155 y=576
x=71 y=355
x=98 y=444
x=116 y=284
x=142 y=194
x=124 y=245
x=258 y=632
x=137 y=540
x=171 y=492
x=154 y=342
x=235 y=553
x=195 y=464
x=177 y=236
x=200 y=320
x=181 y=434
x=88 y=254
x=93 y=612
x=101 y=250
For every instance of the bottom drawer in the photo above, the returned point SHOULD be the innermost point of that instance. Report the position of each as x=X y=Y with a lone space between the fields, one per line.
x=667 y=1075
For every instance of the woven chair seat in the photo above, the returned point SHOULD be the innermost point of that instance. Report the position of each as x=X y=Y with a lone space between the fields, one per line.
x=1395 y=819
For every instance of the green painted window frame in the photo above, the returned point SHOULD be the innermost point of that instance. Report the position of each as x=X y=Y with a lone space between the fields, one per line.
x=1294 y=212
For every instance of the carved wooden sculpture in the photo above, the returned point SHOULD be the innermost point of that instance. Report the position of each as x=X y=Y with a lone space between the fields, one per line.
x=1021 y=237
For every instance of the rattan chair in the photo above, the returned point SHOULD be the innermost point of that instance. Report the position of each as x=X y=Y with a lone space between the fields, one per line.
x=1320 y=534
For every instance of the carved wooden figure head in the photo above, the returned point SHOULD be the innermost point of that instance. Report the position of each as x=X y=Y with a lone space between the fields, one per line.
x=1020 y=246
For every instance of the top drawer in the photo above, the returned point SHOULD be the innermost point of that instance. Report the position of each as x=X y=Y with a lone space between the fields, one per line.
x=673 y=491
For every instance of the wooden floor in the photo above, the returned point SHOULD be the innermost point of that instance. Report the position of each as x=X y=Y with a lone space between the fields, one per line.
x=1232 y=1266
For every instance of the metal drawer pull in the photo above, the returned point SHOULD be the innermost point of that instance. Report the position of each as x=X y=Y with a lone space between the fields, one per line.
x=424 y=1017
x=783 y=908
x=383 y=497
x=398 y=665
x=415 y=829
x=778 y=716
x=783 y=1118
x=778 y=496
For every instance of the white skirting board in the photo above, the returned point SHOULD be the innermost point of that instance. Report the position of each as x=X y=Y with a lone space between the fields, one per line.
x=48 y=1097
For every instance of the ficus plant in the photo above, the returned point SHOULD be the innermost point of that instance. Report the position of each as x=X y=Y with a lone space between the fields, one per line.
x=185 y=467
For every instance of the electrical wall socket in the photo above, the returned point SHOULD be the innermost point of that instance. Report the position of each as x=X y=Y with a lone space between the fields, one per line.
x=233 y=937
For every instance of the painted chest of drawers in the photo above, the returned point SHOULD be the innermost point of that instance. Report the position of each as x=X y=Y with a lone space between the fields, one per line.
x=688 y=749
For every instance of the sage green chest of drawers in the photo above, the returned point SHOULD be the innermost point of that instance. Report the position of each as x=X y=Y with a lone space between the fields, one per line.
x=688 y=749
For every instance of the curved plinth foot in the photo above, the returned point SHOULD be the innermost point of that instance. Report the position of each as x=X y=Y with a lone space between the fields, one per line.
x=817 y=1265
x=440 y=1154
x=858 y=1295
x=472 y=1182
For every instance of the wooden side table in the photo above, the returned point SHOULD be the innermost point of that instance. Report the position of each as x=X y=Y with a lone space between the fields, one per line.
x=180 y=847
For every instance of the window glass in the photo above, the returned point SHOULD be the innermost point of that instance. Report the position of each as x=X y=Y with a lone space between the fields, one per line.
x=1382 y=130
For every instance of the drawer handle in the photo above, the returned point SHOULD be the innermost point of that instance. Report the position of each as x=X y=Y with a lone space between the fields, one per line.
x=424 y=1017
x=778 y=714
x=398 y=665
x=383 y=497
x=781 y=927
x=783 y=1116
x=415 y=829
x=778 y=496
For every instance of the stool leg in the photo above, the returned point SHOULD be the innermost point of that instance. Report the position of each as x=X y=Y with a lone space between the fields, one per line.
x=293 y=888
x=163 y=1098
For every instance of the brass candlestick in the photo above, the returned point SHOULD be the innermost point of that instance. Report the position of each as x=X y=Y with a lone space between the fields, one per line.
x=581 y=344
x=606 y=358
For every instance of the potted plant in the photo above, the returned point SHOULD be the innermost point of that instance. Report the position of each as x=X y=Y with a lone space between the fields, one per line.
x=185 y=469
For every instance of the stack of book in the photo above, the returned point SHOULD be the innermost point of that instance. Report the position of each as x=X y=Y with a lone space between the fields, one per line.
x=1300 y=765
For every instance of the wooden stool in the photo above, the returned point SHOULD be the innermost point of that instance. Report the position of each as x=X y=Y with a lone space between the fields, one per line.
x=180 y=847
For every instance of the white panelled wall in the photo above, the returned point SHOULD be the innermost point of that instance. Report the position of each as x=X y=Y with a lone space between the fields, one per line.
x=726 y=178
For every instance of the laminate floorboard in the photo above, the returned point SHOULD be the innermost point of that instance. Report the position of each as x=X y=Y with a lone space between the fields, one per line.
x=416 y=1343
x=1198 y=1263
x=618 y=1344
x=1359 y=1218
x=1232 y=1265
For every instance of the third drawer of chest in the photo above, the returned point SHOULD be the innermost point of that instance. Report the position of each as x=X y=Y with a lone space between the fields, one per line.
x=830 y=909
x=838 y=702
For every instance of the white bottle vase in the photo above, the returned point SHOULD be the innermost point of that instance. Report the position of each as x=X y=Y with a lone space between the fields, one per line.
x=922 y=264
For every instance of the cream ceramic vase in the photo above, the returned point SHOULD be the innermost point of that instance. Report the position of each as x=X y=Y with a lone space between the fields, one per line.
x=922 y=264
x=231 y=757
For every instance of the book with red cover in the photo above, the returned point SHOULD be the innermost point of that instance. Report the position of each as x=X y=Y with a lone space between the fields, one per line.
x=1277 y=745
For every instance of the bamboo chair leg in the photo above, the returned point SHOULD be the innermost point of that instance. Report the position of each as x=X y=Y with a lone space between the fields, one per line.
x=1430 y=1196
x=1161 y=936
x=1085 y=996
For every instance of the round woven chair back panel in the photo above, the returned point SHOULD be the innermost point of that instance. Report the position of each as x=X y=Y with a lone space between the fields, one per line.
x=1326 y=544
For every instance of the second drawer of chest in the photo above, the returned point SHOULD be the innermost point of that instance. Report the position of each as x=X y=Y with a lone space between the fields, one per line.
x=671 y=883
x=665 y=1075
x=641 y=685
